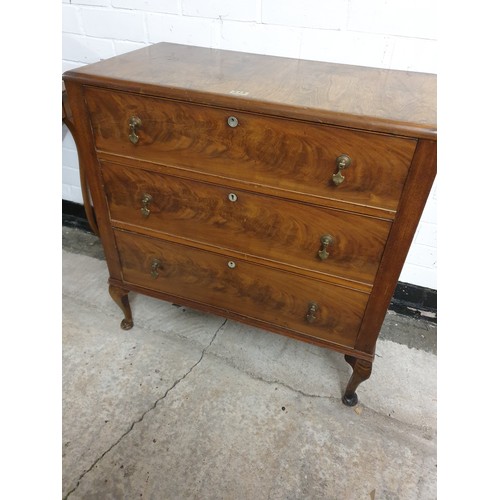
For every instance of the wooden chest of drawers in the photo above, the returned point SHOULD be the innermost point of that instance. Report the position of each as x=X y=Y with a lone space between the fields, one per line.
x=277 y=192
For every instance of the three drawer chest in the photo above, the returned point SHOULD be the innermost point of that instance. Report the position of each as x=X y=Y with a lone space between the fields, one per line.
x=278 y=192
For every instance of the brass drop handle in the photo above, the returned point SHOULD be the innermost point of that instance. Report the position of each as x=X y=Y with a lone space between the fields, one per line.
x=155 y=265
x=343 y=161
x=311 y=312
x=326 y=240
x=134 y=123
x=145 y=201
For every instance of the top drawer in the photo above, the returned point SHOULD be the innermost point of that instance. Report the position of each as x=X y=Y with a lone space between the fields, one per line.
x=283 y=154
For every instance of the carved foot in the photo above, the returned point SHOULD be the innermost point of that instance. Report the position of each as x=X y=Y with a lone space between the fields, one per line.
x=361 y=371
x=350 y=400
x=120 y=296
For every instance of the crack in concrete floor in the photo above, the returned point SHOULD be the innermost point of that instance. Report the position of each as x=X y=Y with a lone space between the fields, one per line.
x=141 y=418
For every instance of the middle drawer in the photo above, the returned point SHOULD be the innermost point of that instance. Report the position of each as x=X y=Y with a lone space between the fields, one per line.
x=318 y=239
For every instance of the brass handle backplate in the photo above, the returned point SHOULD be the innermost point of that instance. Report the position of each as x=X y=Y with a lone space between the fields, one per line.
x=145 y=201
x=155 y=265
x=311 y=312
x=343 y=161
x=134 y=123
x=326 y=240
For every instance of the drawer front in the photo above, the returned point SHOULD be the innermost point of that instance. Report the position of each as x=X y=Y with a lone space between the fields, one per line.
x=276 y=297
x=266 y=227
x=279 y=153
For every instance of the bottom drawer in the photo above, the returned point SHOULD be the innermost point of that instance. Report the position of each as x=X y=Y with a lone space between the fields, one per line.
x=285 y=300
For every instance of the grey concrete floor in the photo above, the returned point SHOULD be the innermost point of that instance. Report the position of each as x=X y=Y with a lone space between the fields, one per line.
x=192 y=406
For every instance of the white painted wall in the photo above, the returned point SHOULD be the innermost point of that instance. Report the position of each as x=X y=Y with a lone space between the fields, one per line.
x=395 y=34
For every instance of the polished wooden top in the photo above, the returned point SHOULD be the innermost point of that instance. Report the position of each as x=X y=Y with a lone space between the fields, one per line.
x=397 y=102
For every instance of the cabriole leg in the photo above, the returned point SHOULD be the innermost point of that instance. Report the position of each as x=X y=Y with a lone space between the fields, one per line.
x=361 y=371
x=120 y=296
